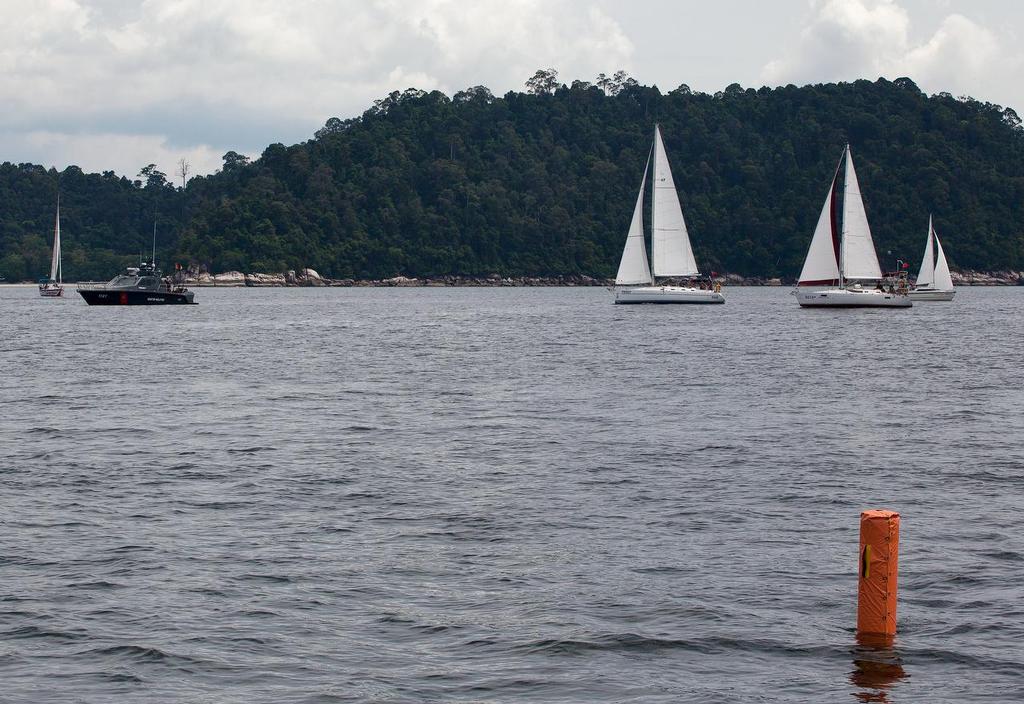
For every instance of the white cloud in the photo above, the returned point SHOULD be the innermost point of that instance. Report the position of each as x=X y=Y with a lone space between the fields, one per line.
x=851 y=39
x=959 y=53
x=846 y=39
x=120 y=153
x=186 y=76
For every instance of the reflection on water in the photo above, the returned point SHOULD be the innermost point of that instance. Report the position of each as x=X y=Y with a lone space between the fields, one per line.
x=877 y=668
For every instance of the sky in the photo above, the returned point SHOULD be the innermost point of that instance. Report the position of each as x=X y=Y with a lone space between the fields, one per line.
x=117 y=84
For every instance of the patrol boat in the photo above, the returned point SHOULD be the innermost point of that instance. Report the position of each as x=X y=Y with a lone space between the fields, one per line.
x=137 y=286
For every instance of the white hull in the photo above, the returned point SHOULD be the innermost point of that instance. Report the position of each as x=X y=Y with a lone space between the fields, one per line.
x=850 y=298
x=667 y=294
x=925 y=294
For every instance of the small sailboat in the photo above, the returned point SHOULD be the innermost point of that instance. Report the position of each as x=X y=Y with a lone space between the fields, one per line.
x=934 y=282
x=842 y=258
x=671 y=253
x=53 y=286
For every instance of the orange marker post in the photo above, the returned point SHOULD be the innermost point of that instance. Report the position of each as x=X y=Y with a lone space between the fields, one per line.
x=879 y=555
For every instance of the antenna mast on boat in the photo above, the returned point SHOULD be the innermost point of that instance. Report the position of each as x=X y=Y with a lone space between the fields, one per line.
x=153 y=260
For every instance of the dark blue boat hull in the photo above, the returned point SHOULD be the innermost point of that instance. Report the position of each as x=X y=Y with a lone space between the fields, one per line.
x=99 y=297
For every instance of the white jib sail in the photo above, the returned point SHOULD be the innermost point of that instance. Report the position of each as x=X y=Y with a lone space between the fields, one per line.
x=633 y=267
x=55 y=272
x=943 y=280
x=926 y=277
x=858 y=259
x=670 y=243
x=821 y=266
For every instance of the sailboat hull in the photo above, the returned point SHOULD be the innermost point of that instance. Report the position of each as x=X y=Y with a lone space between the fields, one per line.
x=851 y=298
x=925 y=294
x=667 y=294
x=51 y=291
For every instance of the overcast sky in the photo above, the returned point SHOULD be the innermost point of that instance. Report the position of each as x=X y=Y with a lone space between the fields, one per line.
x=115 y=84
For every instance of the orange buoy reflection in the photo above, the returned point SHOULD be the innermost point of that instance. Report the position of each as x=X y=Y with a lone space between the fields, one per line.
x=876 y=668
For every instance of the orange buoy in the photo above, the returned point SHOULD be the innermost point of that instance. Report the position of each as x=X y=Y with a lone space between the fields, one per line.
x=879 y=556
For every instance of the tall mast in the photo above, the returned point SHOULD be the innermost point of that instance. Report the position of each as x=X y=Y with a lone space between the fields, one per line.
x=842 y=232
x=654 y=182
x=931 y=238
x=56 y=243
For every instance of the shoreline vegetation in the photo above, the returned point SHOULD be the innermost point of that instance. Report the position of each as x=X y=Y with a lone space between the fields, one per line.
x=309 y=277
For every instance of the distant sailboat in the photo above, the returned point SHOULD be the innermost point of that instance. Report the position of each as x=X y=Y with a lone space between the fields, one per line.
x=671 y=251
x=52 y=287
x=934 y=282
x=842 y=256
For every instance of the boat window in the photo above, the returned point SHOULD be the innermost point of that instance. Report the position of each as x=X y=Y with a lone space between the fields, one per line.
x=147 y=282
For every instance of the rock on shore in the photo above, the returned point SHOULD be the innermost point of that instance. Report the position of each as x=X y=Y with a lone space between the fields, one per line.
x=992 y=278
x=265 y=280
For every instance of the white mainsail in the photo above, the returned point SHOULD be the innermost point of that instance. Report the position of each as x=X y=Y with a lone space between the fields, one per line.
x=926 y=276
x=633 y=267
x=670 y=243
x=821 y=267
x=55 y=270
x=857 y=252
x=943 y=279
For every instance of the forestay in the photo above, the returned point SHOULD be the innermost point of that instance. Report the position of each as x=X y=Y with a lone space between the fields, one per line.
x=670 y=242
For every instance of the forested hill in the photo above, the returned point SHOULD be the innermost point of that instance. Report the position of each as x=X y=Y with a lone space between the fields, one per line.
x=544 y=183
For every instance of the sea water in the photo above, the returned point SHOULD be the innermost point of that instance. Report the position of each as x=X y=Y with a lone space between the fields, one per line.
x=505 y=495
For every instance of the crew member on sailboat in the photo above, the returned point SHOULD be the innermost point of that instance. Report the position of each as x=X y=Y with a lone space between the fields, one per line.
x=671 y=251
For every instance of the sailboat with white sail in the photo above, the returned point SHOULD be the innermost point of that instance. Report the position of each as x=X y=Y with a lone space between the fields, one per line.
x=934 y=282
x=842 y=258
x=53 y=287
x=671 y=252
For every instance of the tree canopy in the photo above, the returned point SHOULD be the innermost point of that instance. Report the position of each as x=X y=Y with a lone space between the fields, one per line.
x=543 y=182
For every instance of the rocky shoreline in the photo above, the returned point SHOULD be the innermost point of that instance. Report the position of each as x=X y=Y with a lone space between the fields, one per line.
x=309 y=277
x=991 y=278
